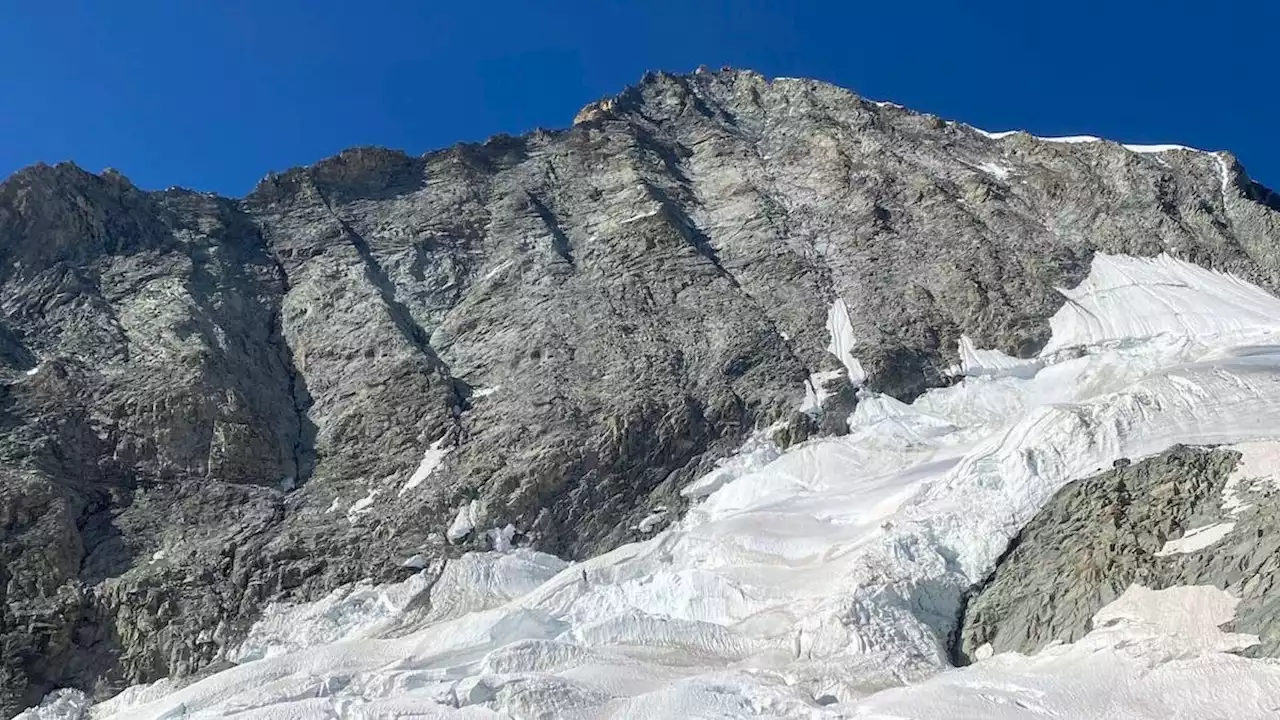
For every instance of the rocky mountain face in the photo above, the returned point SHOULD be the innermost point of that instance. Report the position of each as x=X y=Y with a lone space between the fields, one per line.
x=208 y=404
x=1100 y=535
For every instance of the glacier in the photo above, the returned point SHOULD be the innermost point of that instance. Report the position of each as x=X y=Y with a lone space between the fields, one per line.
x=822 y=582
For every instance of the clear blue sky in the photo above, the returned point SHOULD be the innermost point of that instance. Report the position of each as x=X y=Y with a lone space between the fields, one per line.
x=212 y=94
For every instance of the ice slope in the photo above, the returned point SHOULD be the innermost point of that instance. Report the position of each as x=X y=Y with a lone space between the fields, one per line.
x=1124 y=301
x=808 y=583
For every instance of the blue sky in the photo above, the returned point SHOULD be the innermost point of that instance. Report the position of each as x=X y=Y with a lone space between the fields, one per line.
x=213 y=94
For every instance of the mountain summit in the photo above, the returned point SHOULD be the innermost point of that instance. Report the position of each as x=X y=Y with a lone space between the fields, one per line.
x=367 y=367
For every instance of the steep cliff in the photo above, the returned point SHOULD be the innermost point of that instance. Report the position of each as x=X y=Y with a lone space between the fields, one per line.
x=1189 y=516
x=211 y=403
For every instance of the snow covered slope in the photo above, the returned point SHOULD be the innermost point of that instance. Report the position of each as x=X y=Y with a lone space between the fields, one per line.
x=809 y=584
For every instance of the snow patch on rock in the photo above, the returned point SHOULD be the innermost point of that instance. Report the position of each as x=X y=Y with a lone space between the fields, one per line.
x=639 y=216
x=999 y=171
x=843 y=340
x=1197 y=539
x=1159 y=148
x=464 y=522
x=995 y=135
x=1077 y=139
x=497 y=269
x=361 y=507
x=815 y=392
x=431 y=460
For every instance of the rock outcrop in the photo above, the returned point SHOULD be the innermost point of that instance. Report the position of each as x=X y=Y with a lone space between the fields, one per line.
x=1165 y=521
x=210 y=403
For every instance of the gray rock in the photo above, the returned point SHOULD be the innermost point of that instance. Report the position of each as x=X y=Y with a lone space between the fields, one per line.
x=232 y=396
x=1099 y=535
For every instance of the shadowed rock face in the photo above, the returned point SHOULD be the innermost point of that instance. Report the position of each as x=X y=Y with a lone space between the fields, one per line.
x=207 y=404
x=1099 y=535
